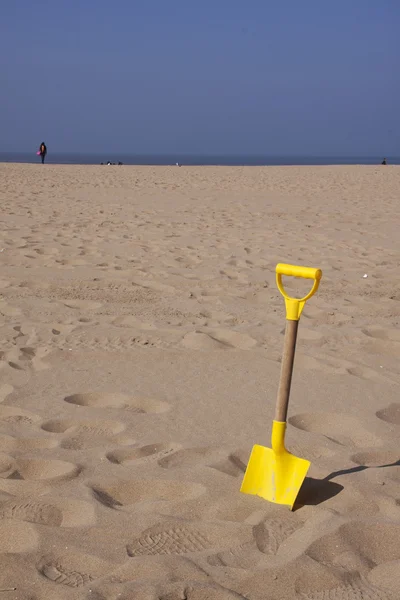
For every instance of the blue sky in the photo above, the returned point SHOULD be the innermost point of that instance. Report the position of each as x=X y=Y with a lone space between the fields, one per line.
x=309 y=77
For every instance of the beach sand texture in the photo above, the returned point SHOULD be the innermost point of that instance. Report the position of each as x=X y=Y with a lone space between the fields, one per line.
x=141 y=338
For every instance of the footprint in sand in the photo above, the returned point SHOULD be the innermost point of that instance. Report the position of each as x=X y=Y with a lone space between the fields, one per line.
x=340 y=428
x=62 y=329
x=181 y=537
x=9 y=443
x=123 y=495
x=267 y=538
x=376 y=459
x=7 y=465
x=12 y=416
x=390 y=414
x=235 y=465
x=15 y=365
x=73 y=569
x=111 y=400
x=35 y=443
x=244 y=556
x=273 y=531
x=83 y=434
x=312 y=452
x=18 y=572
x=5 y=390
x=9 y=311
x=187 y=457
x=358 y=545
x=89 y=427
x=51 y=511
x=30 y=358
x=359 y=589
x=382 y=467
x=127 y=456
x=23 y=488
x=140 y=572
x=44 y=469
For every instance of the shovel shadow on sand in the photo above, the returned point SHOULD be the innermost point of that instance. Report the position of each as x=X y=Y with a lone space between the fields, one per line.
x=316 y=491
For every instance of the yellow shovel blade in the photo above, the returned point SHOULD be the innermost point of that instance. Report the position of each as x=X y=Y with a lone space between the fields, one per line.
x=274 y=476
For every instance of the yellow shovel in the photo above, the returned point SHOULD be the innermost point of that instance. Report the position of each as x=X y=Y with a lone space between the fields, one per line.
x=275 y=474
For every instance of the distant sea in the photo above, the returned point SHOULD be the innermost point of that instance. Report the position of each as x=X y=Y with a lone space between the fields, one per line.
x=132 y=159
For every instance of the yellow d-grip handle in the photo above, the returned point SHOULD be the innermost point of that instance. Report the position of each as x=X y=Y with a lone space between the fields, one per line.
x=294 y=306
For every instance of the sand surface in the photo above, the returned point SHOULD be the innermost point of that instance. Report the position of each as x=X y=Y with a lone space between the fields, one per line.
x=141 y=338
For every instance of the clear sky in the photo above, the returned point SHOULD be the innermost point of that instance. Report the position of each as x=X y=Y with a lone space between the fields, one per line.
x=281 y=77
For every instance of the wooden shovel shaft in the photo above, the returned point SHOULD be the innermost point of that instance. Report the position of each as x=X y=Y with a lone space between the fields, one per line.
x=289 y=349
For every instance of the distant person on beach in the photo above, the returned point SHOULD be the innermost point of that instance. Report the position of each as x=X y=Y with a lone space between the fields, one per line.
x=384 y=162
x=42 y=151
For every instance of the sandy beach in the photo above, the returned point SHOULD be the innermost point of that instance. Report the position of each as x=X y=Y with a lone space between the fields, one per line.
x=141 y=339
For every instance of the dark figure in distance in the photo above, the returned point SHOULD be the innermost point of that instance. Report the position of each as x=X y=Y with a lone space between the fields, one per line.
x=384 y=162
x=42 y=151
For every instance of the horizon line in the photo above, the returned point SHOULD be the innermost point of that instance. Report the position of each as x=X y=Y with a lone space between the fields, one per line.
x=203 y=154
